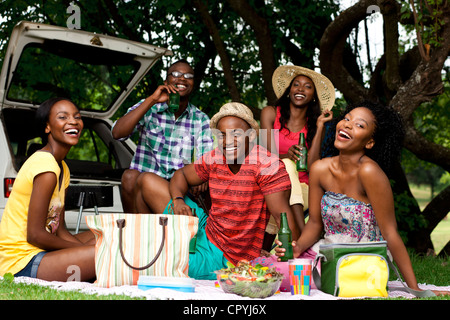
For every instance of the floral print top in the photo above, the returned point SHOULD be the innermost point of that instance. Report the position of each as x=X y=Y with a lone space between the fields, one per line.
x=347 y=220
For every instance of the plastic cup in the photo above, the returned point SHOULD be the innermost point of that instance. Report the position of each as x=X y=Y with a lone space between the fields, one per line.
x=300 y=276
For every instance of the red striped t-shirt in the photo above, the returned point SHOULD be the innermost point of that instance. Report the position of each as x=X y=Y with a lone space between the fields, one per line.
x=239 y=215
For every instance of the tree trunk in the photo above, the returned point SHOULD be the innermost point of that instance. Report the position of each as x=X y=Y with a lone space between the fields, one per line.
x=220 y=47
x=434 y=213
x=332 y=45
x=264 y=40
x=445 y=252
x=404 y=95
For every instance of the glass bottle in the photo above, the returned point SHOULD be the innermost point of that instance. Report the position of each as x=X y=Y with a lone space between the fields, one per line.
x=285 y=236
x=193 y=242
x=302 y=164
x=174 y=101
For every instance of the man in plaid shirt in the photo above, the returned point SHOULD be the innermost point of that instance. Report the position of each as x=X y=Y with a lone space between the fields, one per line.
x=167 y=141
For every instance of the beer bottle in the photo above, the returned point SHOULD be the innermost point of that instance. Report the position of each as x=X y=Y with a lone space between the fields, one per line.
x=193 y=242
x=174 y=101
x=285 y=236
x=302 y=164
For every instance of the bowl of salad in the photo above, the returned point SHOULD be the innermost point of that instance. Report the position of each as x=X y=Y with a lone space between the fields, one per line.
x=249 y=281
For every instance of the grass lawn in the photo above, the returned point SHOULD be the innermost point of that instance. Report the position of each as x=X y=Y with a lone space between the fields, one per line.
x=16 y=291
x=440 y=276
x=19 y=291
x=441 y=234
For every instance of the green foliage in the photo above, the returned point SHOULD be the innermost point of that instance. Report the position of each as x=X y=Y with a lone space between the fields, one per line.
x=177 y=26
x=41 y=75
x=8 y=278
x=91 y=148
x=429 y=19
x=407 y=223
x=424 y=173
x=431 y=119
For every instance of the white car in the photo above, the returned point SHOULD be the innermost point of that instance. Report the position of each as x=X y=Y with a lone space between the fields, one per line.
x=97 y=72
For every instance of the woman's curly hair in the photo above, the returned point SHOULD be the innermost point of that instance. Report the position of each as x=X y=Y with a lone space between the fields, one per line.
x=388 y=135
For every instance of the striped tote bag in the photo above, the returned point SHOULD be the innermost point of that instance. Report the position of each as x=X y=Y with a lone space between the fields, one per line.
x=130 y=245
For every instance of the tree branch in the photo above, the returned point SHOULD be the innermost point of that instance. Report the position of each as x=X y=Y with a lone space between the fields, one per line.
x=390 y=11
x=220 y=47
x=419 y=36
x=296 y=54
x=332 y=46
x=264 y=40
x=437 y=209
x=424 y=84
x=425 y=149
x=119 y=20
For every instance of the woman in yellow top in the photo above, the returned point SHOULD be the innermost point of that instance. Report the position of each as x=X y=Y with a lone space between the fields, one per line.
x=34 y=241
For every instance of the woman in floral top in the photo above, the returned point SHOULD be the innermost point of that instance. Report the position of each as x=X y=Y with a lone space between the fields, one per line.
x=350 y=194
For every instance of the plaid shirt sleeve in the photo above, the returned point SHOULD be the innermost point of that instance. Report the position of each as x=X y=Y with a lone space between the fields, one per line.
x=204 y=138
x=140 y=123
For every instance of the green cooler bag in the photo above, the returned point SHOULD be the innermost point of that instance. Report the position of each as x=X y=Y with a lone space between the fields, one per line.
x=354 y=269
x=357 y=270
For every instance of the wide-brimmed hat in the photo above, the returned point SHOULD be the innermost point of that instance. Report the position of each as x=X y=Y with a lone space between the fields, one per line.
x=283 y=76
x=238 y=110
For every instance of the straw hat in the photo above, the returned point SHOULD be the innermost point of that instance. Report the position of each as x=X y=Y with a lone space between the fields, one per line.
x=235 y=109
x=283 y=76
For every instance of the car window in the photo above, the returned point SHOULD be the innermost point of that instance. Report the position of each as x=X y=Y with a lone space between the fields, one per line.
x=92 y=77
x=91 y=148
x=96 y=156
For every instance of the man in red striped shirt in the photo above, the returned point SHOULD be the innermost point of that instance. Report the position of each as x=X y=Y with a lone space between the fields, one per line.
x=246 y=185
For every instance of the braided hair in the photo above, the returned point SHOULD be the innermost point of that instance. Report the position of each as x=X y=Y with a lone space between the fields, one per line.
x=388 y=135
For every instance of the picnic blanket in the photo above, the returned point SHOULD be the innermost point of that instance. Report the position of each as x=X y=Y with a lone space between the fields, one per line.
x=204 y=290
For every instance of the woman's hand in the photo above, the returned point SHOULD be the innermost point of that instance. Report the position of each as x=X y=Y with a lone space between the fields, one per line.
x=326 y=116
x=279 y=252
x=441 y=293
x=294 y=152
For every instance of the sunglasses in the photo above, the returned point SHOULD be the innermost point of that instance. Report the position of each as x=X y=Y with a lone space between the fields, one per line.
x=177 y=74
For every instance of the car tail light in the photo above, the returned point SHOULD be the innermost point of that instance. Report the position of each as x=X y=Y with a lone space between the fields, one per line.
x=8 y=186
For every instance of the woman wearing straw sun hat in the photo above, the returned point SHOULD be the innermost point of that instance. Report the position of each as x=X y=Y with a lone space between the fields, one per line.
x=305 y=99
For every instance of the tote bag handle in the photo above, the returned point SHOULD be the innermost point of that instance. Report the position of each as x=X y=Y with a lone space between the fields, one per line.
x=121 y=225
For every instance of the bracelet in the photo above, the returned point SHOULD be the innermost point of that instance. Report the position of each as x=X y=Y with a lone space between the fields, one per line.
x=177 y=198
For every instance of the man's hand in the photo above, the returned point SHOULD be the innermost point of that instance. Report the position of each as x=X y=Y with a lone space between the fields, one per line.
x=161 y=93
x=181 y=208
x=197 y=190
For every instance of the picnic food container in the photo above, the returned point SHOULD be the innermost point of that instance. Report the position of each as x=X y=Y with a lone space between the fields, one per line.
x=249 y=281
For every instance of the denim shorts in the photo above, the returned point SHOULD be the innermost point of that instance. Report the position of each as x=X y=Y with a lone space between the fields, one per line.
x=31 y=268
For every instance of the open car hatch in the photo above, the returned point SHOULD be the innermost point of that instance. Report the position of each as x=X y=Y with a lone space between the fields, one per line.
x=96 y=71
